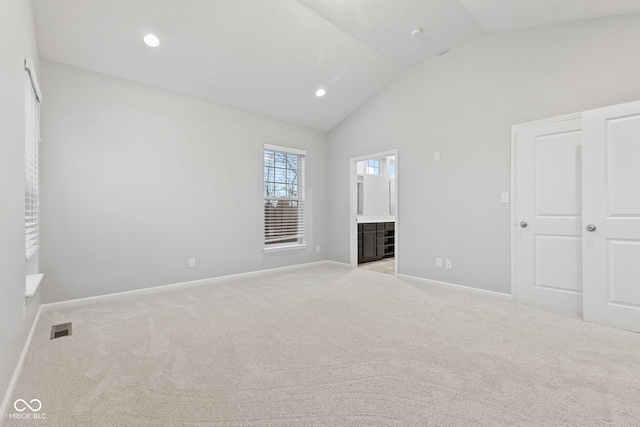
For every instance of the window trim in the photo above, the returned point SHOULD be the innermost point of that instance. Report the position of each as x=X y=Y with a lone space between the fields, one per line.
x=271 y=147
x=301 y=243
x=284 y=247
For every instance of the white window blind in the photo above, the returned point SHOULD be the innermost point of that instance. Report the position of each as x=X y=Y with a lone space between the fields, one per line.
x=284 y=192
x=32 y=138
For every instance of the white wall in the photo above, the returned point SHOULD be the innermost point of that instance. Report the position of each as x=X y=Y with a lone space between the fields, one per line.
x=463 y=104
x=376 y=195
x=17 y=41
x=137 y=180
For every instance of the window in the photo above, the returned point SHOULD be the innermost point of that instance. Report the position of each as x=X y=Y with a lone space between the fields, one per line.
x=283 y=197
x=392 y=169
x=373 y=167
x=31 y=138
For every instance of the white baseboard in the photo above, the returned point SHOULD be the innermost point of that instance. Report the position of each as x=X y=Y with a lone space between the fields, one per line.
x=338 y=264
x=456 y=286
x=162 y=288
x=18 y=370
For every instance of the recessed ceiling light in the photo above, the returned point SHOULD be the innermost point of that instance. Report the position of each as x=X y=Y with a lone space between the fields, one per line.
x=416 y=33
x=320 y=93
x=151 y=40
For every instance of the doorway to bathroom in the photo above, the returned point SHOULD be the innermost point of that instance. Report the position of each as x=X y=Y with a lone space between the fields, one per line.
x=374 y=212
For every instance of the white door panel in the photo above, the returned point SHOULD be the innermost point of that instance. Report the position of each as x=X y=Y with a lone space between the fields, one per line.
x=611 y=202
x=623 y=160
x=557 y=166
x=558 y=263
x=624 y=273
x=548 y=198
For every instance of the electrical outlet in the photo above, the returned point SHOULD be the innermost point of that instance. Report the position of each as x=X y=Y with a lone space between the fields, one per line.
x=192 y=262
x=436 y=157
x=439 y=262
x=504 y=197
x=448 y=264
x=317 y=248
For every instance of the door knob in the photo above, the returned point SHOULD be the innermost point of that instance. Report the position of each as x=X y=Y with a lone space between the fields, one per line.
x=591 y=227
x=523 y=224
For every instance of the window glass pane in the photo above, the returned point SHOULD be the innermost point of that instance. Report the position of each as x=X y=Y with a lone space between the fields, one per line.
x=281 y=160
x=268 y=173
x=373 y=167
x=269 y=158
x=269 y=189
x=280 y=175
x=280 y=190
x=292 y=176
x=293 y=162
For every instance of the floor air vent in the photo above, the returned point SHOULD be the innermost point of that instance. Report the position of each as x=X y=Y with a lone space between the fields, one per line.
x=61 y=330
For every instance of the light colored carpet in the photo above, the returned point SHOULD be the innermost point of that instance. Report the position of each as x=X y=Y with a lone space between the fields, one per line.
x=328 y=346
x=387 y=266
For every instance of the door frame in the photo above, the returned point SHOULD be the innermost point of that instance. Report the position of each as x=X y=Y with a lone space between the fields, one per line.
x=353 y=204
x=514 y=213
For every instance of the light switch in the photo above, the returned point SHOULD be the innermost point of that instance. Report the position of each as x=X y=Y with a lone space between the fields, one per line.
x=504 y=197
x=436 y=157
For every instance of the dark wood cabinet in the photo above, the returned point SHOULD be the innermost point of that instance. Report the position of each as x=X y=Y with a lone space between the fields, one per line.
x=369 y=247
x=376 y=240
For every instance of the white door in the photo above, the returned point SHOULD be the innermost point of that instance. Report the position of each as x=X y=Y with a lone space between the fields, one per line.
x=547 y=240
x=611 y=206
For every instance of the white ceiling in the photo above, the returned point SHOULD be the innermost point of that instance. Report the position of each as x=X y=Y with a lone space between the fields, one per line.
x=270 y=56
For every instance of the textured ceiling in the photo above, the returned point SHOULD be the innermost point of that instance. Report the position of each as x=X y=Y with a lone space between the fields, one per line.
x=270 y=56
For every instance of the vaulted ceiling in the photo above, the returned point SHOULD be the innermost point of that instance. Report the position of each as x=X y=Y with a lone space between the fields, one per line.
x=270 y=56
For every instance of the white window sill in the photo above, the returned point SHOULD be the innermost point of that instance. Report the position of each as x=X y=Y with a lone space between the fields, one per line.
x=282 y=248
x=33 y=282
